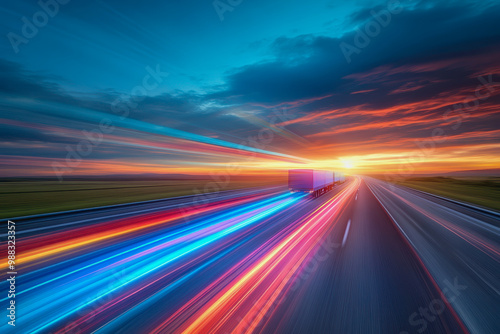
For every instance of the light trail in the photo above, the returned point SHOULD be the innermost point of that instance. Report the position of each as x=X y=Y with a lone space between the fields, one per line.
x=233 y=265
x=282 y=261
x=36 y=249
x=78 y=292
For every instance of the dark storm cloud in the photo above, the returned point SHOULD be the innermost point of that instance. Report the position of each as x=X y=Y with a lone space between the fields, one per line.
x=310 y=66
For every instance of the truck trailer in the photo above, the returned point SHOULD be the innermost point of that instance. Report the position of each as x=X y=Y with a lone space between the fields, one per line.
x=338 y=177
x=316 y=182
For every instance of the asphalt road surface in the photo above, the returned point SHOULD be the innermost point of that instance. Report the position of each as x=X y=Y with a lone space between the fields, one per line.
x=367 y=257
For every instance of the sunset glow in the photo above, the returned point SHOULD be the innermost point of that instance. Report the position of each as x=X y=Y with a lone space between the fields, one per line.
x=419 y=114
x=257 y=167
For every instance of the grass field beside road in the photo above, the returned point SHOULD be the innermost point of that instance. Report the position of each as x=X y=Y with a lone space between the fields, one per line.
x=22 y=198
x=480 y=191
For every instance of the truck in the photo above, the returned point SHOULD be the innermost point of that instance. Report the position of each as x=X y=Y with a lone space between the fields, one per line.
x=338 y=177
x=316 y=182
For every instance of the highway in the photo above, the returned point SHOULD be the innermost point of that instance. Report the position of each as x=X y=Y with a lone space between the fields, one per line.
x=367 y=257
x=460 y=246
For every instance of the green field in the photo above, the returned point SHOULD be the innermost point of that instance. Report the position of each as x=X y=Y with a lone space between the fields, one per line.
x=481 y=191
x=21 y=198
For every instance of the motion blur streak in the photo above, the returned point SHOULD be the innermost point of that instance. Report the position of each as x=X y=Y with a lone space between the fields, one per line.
x=268 y=277
x=254 y=216
x=263 y=260
x=166 y=241
x=452 y=241
x=85 y=288
x=465 y=235
x=83 y=114
x=35 y=251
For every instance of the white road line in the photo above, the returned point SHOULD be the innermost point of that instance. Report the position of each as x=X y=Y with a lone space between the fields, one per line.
x=346 y=232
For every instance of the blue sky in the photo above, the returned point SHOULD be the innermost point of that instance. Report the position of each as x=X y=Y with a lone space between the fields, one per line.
x=370 y=100
x=107 y=44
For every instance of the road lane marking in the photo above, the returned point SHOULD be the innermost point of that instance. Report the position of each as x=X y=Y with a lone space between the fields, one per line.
x=346 y=232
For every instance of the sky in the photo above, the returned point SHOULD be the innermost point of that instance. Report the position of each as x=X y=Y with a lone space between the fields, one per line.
x=122 y=87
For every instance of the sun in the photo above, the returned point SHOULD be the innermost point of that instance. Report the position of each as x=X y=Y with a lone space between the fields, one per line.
x=348 y=164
